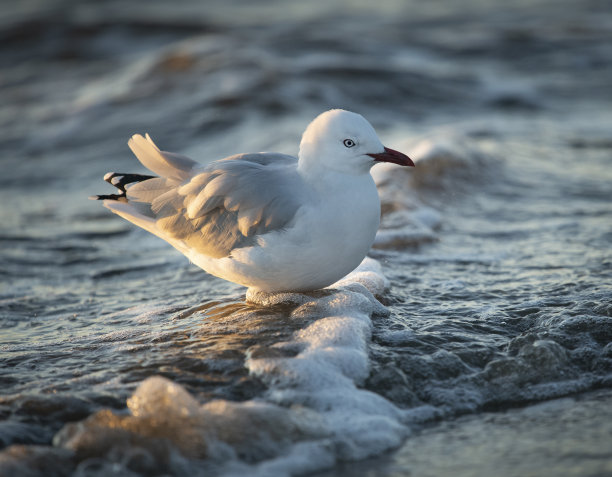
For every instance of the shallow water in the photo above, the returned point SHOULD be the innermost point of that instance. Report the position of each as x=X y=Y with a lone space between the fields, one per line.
x=117 y=354
x=541 y=439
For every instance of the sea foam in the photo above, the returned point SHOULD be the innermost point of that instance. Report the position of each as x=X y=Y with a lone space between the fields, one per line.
x=312 y=415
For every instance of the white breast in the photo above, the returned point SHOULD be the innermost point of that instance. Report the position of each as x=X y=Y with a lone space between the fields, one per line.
x=329 y=238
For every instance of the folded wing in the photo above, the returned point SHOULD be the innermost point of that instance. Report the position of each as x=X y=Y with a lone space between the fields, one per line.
x=210 y=209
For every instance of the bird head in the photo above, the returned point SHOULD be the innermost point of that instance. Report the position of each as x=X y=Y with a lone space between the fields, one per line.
x=344 y=142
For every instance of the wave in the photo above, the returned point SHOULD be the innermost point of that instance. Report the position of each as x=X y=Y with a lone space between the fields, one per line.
x=312 y=414
x=313 y=410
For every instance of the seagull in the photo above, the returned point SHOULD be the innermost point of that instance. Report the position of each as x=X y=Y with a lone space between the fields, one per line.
x=268 y=221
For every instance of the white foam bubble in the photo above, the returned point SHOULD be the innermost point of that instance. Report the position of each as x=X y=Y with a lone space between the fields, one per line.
x=313 y=414
x=324 y=376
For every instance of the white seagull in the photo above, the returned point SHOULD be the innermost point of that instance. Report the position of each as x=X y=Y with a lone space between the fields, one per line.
x=268 y=221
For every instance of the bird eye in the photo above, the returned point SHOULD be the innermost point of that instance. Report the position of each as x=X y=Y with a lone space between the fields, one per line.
x=348 y=142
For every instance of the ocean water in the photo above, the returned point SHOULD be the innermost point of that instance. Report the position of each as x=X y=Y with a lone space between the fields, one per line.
x=476 y=338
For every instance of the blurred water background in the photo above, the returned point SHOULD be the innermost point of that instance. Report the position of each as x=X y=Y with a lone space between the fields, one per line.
x=492 y=353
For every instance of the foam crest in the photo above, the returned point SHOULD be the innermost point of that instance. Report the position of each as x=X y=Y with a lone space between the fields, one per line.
x=332 y=363
x=156 y=396
x=163 y=411
x=443 y=161
x=448 y=154
x=370 y=276
x=312 y=414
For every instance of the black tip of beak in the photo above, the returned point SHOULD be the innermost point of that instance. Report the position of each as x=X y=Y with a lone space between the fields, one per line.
x=393 y=156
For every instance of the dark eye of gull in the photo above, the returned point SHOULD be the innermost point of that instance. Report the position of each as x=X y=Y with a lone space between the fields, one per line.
x=348 y=142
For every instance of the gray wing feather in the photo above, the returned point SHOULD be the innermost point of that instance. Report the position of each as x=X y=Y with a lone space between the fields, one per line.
x=148 y=190
x=225 y=204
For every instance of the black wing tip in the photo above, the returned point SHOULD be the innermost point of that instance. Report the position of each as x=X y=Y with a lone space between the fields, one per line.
x=120 y=180
x=116 y=197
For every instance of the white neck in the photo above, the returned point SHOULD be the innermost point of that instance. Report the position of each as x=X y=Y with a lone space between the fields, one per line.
x=313 y=170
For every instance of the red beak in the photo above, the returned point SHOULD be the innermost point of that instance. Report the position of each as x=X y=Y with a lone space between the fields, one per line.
x=395 y=157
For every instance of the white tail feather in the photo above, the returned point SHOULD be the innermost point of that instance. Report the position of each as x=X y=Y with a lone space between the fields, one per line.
x=168 y=165
x=131 y=214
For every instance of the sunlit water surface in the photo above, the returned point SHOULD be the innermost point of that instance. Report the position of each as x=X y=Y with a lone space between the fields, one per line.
x=118 y=355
